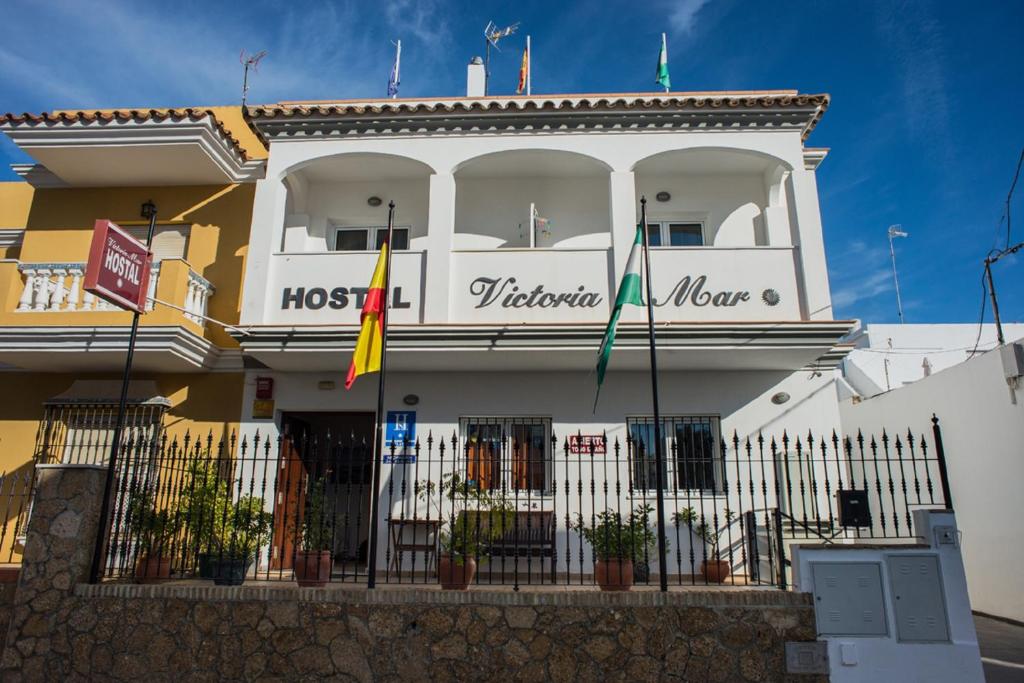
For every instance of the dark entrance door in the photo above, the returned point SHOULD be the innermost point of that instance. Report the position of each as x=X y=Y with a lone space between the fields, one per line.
x=330 y=454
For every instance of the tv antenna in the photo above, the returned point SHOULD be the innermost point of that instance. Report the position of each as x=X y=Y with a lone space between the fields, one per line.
x=492 y=34
x=249 y=62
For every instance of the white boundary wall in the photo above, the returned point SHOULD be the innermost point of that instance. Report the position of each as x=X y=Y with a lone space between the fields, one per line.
x=983 y=434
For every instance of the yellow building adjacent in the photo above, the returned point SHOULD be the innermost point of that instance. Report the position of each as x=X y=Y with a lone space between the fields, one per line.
x=62 y=350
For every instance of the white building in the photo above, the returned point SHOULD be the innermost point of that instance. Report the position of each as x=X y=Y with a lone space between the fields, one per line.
x=495 y=331
x=887 y=357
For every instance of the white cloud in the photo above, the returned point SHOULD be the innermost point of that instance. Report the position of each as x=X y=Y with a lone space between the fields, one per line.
x=127 y=54
x=683 y=17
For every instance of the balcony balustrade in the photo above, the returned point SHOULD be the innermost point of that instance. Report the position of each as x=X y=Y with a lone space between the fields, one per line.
x=58 y=288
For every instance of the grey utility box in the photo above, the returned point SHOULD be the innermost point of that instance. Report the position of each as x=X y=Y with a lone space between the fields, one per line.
x=918 y=599
x=848 y=598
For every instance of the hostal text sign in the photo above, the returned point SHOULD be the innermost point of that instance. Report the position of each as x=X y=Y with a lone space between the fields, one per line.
x=118 y=268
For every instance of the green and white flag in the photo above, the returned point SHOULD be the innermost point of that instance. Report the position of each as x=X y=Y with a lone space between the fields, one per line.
x=629 y=293
x=662 y=75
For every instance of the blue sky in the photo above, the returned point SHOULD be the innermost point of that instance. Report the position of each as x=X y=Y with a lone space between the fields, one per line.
x=925 y=123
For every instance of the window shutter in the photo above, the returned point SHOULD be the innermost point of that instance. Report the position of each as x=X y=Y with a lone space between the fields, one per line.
x=169 y=241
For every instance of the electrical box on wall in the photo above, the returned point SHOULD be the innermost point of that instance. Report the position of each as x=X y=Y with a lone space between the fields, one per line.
x=918 y=599
x=848 y=598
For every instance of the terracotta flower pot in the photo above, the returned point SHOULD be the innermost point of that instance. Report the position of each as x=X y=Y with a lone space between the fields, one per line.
x=456 y=576
x=614 y=574
x=152 y=568
x=313 y=569
x=716 y=571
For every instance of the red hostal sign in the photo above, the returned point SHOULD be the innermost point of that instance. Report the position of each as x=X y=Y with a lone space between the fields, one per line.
x=118 y=268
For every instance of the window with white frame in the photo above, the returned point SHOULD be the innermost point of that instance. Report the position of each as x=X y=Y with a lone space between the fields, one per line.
x=691 y=453
x=675 y=234
x=507 y=453
x=369 y=238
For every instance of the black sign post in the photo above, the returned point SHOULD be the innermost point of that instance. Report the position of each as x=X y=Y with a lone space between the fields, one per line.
x=149 y=212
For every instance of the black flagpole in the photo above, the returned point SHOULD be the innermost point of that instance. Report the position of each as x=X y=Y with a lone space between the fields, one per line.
x=659 y=451
x=378 y=435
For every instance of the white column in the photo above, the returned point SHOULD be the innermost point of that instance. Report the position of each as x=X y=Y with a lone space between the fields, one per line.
x=440 y=231
x=622 y=197
x=25 y=302
x=190 y=300
x=802 y=191
x=154 y=273
x=42 y=299
x=74 y=291
x=88 y=301
x=58 y=289
x=264 y=239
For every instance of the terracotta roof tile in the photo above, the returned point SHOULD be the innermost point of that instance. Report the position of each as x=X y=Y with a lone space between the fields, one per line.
x=760 y=100
x=125 y=115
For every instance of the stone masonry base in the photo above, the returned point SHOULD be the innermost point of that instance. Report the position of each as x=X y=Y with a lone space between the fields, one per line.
x=202 y=632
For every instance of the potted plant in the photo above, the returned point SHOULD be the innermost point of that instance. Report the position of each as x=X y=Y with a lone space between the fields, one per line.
x=155 y=530
x=617 y=543
x=478 y=516
x=244 y=529
x=713 y=567
x=642 y=567
x=313 y=561
x=206 y=504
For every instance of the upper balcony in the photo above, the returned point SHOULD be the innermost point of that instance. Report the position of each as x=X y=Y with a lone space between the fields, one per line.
x=41 y=300
x=536 y=236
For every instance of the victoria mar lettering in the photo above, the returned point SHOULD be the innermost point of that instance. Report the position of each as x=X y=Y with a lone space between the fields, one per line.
x=507 y=294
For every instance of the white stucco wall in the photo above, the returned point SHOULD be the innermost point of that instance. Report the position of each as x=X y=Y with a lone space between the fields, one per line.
x=729 y=205
x=500 y=208
x=340 y=204
x=983 y=433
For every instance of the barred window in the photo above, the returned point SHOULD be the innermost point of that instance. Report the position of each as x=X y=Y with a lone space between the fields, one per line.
x=510 y=453
x=82 y=434
x=692 y=457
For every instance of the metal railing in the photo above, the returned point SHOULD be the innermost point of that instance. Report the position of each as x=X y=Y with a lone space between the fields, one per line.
x=522 y=504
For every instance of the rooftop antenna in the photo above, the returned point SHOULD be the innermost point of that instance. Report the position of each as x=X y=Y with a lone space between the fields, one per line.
x=896 y=231
x=492 y=34
x=249 y=62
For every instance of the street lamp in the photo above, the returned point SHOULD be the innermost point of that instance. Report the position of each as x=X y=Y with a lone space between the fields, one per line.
x=896 y=231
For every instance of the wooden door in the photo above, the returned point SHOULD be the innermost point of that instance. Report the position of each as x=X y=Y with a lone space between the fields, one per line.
x=291 y=476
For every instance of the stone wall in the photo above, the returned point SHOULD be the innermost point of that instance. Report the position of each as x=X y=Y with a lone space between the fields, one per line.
x=64 y=629
x=163 y=633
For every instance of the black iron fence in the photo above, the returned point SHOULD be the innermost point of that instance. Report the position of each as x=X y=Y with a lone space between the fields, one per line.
x=509 y=502
x=15 y=500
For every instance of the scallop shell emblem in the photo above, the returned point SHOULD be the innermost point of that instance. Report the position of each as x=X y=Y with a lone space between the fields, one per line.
x=770 y=297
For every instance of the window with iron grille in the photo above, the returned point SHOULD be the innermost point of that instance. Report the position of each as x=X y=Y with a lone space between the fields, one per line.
x=692 y=456
x=81 y=434
x=507 y=453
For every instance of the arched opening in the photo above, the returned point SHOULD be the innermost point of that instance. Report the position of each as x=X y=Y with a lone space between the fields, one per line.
x=712 y=197
x=532 y=198
x=340 y=203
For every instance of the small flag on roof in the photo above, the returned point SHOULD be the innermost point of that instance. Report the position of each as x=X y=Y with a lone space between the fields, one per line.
x=662 y=77
x=395 y=79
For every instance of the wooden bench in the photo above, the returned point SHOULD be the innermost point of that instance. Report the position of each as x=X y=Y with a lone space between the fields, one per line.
x=531 y=534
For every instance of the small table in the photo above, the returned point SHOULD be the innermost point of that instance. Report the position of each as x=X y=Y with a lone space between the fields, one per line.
x=428 y=528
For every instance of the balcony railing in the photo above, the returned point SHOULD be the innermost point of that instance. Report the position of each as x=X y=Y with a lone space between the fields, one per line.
x=58 y=288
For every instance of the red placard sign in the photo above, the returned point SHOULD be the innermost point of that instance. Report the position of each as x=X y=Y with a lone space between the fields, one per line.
x=587 y=444
x=118 y=268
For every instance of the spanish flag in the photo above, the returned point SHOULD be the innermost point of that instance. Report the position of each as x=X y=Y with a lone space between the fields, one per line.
x=369 y=347
x=524 y=70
